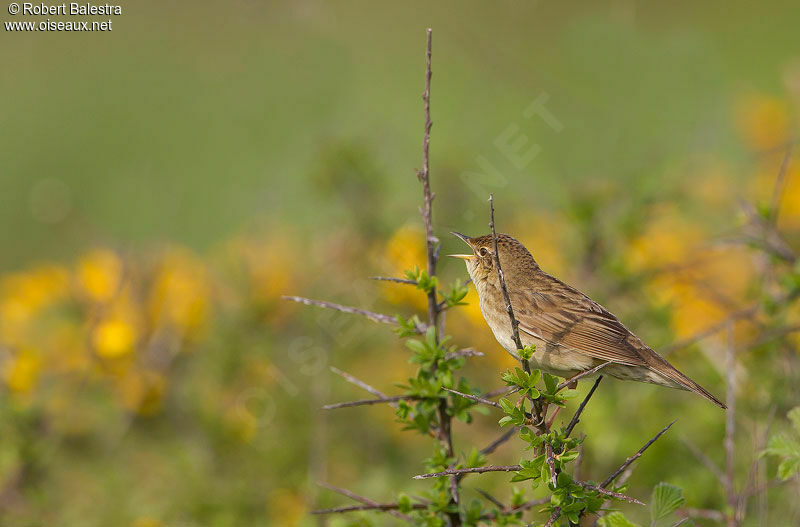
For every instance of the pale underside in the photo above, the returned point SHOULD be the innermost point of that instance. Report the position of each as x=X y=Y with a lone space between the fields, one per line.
x=561 y=360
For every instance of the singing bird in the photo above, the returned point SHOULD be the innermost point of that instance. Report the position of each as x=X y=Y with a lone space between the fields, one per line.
x=572 y=332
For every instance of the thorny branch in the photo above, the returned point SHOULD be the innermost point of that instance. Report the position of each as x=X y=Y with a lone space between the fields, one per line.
x=506 y=298
x=364 y=402
x=432 y=247
x=361 y=384
x=473 y=398
x=576 y=418
x=515 y=468
x=581 y=375
x=375 y=507
x=491 y=447
x=361 y=499
x=393 y=279
x=606 y=482
x=375 y=317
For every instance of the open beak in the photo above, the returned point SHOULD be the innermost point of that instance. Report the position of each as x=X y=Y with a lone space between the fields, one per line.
x=463 y=237
x=466 y=240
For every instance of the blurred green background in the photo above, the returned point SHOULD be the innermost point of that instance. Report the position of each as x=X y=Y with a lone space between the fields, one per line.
x=164 y=183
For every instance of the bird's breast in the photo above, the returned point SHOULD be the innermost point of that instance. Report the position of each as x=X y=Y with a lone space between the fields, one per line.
x=552 y=358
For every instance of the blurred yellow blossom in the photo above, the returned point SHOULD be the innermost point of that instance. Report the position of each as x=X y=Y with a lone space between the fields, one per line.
x=100 y=274
x=764 y=184
x=763 y=121
x=142 y=391
x=542 y=234
x=269 y=272
x=179 y=297
x=668 y=239
x=24 y=295
x=22 y=371
x=286 y=507
x=404 y=250
x=114 y=337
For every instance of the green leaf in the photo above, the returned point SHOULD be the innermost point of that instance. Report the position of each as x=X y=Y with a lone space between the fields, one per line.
x=412 y=274
x=782 y=445
x=666 y=499
x=404 y=503
x=550 y=382
x=416 y=346
x=475 y=458
x=788 y=468
x=615 y=519
x=506 y=420
x=794 y=417
x=568 y=456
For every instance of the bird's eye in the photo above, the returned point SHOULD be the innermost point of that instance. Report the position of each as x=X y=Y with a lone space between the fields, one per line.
x=483 y=251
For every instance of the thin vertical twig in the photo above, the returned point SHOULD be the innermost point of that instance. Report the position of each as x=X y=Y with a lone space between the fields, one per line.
x=506 y=298
x=730 y=428
x=432 y=251
x=423 y=175
x=576 y=418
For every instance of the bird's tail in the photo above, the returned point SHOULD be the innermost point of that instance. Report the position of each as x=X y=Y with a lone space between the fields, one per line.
x=669 y=372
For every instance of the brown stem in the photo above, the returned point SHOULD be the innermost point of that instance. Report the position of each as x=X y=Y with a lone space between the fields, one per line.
x=473 y=398
x=432 y=251
x=375 y=317
x=364 y=402
x=509 y=308
x=366 y=501
x=730 y=429
x=576 y=418
x=606 y=482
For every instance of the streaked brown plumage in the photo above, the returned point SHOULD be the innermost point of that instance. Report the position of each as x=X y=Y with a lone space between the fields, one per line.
x=572 y=332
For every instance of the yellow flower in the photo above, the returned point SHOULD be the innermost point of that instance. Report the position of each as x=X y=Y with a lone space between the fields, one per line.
x=23 y=371
x=763 y=121
x=114 y=337
x=542 y=233
x=269 y=272
x=667 y=239
x=179 y=297
x=142 y=391
x=764 y=184
x=286 y=507
x=24 y=295
x=405 y=250
x=99 y=274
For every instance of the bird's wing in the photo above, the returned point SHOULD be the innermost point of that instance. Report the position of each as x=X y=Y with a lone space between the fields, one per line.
x=559 y=314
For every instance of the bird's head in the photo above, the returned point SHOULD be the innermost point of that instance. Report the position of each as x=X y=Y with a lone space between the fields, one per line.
x=514 y=257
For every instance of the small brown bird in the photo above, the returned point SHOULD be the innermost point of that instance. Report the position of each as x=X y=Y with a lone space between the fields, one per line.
x=572 y=332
